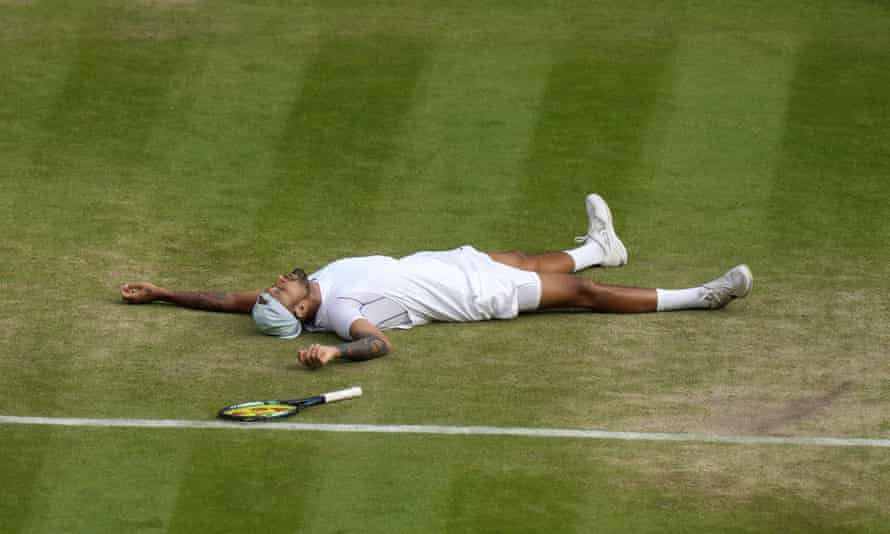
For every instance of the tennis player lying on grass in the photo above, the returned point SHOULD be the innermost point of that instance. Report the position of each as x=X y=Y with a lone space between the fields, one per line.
x=359 y=298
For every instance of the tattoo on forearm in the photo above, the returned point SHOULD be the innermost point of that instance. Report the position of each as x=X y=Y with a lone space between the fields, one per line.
x=200 y=300
x=365 y=348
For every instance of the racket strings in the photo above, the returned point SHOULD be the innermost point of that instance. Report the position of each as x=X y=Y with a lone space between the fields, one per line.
x=260 y=411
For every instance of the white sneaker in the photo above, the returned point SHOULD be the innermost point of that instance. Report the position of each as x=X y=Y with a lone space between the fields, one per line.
x=736 y=283
x=601 y=231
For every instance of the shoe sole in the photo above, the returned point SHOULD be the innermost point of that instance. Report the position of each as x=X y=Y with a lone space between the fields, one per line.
x=601 y=210
x=749 y=280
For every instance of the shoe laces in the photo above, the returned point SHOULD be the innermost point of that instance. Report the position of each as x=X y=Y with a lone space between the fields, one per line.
x=719 y=292
x=597 y=229
x=715 y=296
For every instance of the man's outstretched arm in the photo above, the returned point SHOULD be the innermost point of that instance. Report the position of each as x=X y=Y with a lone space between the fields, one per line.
x=369 y=343
x=231 y=302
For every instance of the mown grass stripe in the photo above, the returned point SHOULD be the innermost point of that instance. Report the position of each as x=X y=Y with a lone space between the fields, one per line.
x=338 y=136
x=593 y=114
x=106 y=84
x=455 y=430
x=831 y=182
x=465 y=137
x=716 y=135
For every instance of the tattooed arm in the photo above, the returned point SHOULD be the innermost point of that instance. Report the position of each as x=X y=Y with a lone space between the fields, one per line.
x=369 y=343
x=233 y=302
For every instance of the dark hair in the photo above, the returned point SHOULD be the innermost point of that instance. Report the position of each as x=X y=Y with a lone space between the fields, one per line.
x=302 y=277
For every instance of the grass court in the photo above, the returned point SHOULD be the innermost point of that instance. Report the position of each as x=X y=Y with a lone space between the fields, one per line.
x=211 y=145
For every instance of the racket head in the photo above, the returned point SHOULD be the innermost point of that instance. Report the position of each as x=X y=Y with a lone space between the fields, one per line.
x=260 y=410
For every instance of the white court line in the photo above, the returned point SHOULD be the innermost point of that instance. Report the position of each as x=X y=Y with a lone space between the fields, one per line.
x=452 y=430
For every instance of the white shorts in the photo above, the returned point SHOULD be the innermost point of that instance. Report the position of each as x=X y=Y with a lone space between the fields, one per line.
x=496 y=290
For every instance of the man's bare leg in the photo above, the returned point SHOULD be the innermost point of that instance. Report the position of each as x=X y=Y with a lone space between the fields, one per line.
x=566 y=291
x=561 y=291
x=550 y=262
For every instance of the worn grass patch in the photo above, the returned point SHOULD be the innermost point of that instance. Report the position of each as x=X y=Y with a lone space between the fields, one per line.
x=749 y=475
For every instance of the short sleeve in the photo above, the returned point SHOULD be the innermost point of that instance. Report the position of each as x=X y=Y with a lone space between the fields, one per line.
x=341 y=314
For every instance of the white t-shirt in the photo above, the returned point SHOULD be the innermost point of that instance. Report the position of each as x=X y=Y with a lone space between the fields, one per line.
x=457 y=285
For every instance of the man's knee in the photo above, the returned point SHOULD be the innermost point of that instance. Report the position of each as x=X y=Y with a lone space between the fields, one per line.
x=568 y=291
x=590 y=293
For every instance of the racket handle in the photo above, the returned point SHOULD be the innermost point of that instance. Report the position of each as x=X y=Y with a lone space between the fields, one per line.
x=343 y=394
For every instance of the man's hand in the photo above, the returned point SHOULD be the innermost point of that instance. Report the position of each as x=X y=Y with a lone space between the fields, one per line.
x=369 y=343
x=315 y=355
x=140 y=293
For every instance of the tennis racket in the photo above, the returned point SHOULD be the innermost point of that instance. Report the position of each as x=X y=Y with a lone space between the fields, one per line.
x=277 y=409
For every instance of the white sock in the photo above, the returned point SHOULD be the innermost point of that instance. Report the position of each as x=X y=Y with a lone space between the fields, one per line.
x=586 y=255
x=680 y=299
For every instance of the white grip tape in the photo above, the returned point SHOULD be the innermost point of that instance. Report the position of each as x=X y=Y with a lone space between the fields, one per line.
x=343 y=394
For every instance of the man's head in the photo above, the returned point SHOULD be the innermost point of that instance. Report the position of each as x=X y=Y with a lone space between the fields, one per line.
x=280 y=309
